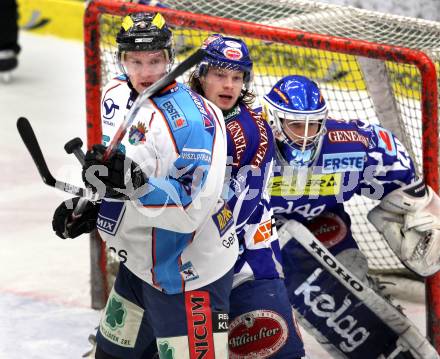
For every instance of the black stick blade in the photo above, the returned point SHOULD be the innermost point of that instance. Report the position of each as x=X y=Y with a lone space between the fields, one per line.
x=30 y=140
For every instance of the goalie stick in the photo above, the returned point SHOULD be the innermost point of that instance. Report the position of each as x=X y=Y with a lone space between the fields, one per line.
x=30 y=140
x=146 y=94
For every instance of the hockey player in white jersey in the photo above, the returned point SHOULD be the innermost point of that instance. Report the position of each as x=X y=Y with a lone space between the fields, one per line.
x=322 y=163
x=175 y=225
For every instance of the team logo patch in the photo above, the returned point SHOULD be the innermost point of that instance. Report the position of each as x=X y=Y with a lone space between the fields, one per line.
x=178 y=123
x=343 y=162
x=209 y=40
x=344 y=136
x=188 y=272
x=199 y=324
x=232 y=53
x=109 y=108
x=174 y=115
x=236 y=131
x=165 y=350
x=223 y=219
x=136 y=135
x=316 y=184
x=257 y=161
x=257 y=334
x=115 y=313
x=386 y=141
x=121 y=321
x=196 y=155
x=208 y=124
x=233 y=44
x=264 y=232
x=337 y=317
x=299 y=158
x=328 y=228
x=110 y=216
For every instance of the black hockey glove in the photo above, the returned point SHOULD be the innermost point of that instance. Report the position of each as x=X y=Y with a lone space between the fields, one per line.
x=67 y=227
x=119 y=177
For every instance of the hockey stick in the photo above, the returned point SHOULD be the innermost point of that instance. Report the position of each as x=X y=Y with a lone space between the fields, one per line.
x=74 y=146
x=30 y=140
x=146 y=94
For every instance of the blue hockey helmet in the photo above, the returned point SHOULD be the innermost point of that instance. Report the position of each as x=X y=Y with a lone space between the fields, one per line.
x=226 y=52
x=296 y=111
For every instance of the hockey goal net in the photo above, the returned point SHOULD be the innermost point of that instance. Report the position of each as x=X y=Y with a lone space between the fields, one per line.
x=369 y=66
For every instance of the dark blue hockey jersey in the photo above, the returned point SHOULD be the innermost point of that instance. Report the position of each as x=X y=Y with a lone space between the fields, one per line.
x=250 y=156
x=353 y=157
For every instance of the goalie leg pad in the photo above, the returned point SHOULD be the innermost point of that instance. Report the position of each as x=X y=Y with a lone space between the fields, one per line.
x=351 y=317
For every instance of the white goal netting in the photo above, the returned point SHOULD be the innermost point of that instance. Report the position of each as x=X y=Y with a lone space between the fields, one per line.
x=367 y=87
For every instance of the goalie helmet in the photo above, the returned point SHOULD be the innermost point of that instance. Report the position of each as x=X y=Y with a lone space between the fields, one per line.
x=145 y=31
x=296 y=112
x=226 y=52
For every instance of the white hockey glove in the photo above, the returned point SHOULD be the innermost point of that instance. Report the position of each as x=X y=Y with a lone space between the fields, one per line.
x=409 y=220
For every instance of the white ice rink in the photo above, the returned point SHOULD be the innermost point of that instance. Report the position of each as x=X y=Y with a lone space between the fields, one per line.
x=44 y=281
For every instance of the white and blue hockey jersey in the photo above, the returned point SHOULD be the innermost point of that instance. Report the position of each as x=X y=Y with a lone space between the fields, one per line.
x=175 y=233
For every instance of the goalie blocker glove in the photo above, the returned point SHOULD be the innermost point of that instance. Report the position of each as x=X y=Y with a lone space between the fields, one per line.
x=65 y=226
x=409 y=220
x=119 y=177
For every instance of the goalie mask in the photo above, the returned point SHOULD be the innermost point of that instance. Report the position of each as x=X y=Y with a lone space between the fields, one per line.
x=296 y=111
x=145 y=31
x=228 y=53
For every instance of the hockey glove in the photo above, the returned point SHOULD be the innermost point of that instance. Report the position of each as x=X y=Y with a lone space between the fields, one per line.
x=409 y=220
x=119 y=177
x=65 y=226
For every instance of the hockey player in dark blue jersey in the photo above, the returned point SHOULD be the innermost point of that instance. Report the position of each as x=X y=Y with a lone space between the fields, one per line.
x=262 y=323
x=322 y=163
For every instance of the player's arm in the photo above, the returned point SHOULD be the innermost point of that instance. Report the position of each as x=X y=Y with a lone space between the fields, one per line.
x=187 y=192
x=181 y=200
x=408 y=215
x=250 y=177
x=388 y=165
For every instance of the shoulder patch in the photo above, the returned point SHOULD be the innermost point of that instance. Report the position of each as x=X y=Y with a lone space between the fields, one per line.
x=109 y=108
x=385 y=140
x=110 y=216
x=346 y=136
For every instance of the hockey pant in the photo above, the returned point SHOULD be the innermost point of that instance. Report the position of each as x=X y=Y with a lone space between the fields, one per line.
x=189 y=325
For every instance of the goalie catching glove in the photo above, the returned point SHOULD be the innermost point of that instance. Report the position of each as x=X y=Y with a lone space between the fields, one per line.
x=65 y=226
x=119 y=177
x=409 y=220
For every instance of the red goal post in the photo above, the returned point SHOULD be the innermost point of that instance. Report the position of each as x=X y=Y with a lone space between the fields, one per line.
x=423 y=64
